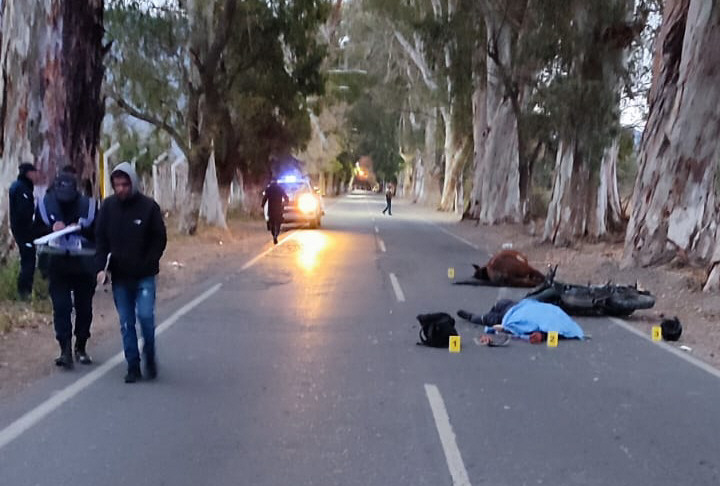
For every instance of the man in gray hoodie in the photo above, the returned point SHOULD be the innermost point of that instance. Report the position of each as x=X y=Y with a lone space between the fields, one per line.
x=130 y=239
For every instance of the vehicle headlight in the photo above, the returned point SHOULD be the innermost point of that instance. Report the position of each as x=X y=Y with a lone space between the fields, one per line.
x=307 y=203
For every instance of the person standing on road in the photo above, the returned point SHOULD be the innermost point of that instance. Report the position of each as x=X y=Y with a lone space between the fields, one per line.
x=131 y=234
x=388 y=199
x=22 y=208
x=275 y=197
x=69 y=263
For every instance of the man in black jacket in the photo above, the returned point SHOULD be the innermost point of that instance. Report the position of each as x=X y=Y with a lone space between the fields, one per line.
x=275 y=198
x=131 y=238
x=22 y=208
x=69 y=262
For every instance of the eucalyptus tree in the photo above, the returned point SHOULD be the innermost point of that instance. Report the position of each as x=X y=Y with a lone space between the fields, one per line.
x=582 y=99
x=52 y=71
x=675 y=204
x=223 y=74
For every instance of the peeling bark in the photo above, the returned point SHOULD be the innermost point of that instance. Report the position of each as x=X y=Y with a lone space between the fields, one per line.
x=607 y=217
x=52 y=70
x=675 y=208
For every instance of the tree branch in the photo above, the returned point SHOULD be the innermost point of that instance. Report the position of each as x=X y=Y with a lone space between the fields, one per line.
x=418 y=59
x=156 y=122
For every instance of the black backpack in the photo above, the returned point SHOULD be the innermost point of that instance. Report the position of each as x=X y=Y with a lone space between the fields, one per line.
x=436 y=329
x=671 y=329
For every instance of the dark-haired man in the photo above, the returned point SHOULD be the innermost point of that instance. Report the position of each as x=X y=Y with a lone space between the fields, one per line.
x=131 y=233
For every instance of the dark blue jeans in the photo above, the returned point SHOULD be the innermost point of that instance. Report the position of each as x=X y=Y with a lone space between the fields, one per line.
x=135 y=299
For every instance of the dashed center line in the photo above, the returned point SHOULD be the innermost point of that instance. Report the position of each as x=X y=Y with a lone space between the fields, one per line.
x=377 y=230
x=399 y=295
x=447 y=437
x=381 y=244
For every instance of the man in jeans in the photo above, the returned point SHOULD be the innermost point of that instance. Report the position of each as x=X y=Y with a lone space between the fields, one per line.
x=130 y=240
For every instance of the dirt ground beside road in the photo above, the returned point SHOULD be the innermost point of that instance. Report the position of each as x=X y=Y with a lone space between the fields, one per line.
x=28 y=351
x=678 y=291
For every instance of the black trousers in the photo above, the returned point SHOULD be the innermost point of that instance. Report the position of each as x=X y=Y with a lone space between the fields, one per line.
x=275 y=225
x=388 y=207
x=68 y=291
x=27 y=269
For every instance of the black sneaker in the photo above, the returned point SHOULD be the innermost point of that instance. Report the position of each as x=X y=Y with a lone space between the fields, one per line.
x=81 y=355
x=463 y=314
x=133 y=374
x=65 y=360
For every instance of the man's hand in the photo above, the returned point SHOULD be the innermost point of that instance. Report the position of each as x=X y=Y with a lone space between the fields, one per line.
x=101 y=278
x=58 y=226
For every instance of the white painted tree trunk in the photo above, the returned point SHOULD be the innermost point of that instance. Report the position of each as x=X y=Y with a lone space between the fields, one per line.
x=608 y=212
x=674 y=208
x=211 y=205
x=52 y=70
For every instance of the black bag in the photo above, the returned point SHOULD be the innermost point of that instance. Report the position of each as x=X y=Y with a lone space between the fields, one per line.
x=671 y=329
x=436 y=329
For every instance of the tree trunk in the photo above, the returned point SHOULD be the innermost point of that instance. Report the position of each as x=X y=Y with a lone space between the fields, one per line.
x=454 y=150
x=674 y=208
x=212 y=204
x=574 y=193
x=480 y=129
x=500 y=177
x=52 y=72
x=608 y=213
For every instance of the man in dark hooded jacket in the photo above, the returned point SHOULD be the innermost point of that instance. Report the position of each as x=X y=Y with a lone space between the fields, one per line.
x=69 y=263
x=276 y=198
x=131 y=238
x=22 y=208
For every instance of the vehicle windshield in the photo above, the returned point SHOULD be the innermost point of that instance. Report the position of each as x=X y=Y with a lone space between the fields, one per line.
x=292 y=188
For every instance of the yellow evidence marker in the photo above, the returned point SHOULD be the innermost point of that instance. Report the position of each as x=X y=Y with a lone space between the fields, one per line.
x=454 y=344
x=451 y=273
x=552 y=339
x=657 y=333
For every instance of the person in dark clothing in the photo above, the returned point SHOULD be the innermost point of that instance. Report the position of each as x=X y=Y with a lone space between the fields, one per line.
x=68 y=262
x=275 y=197
x=22 y=208
x=131 y=239
x=388 y=200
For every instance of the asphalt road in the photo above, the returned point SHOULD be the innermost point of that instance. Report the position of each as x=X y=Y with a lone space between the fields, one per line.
x=300 y=368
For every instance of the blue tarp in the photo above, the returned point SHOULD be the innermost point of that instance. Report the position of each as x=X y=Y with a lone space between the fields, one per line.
x=528 y=316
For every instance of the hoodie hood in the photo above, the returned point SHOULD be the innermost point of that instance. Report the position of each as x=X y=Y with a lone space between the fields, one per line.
x=127 y=169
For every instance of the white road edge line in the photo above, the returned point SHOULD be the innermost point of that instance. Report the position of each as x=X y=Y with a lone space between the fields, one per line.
x=381 y=244
x=671 y=349
x=264 y=253
x=396 y=287
x=31 y=418
x=447 y=437
x=459 y=238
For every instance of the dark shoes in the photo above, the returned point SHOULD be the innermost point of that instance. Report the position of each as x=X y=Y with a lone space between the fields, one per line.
x=65 y=360
x=133 y=373
x=81 y=355
x=275 y=240
x=463 y=314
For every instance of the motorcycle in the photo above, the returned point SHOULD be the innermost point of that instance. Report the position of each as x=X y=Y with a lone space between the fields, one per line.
x=592 y=300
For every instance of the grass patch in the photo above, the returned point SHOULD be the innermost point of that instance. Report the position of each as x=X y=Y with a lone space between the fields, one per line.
x=19 y=314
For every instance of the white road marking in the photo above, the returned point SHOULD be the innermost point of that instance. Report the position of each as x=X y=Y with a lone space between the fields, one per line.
x=459 y=238
x=447 y=437
x=264 y=253
x=377 y=230
x=31 y=418
x=381 y=243
x=671 y=349
x=396 y=287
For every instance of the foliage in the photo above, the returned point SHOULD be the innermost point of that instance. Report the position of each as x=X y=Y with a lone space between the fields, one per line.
x=233 y=73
